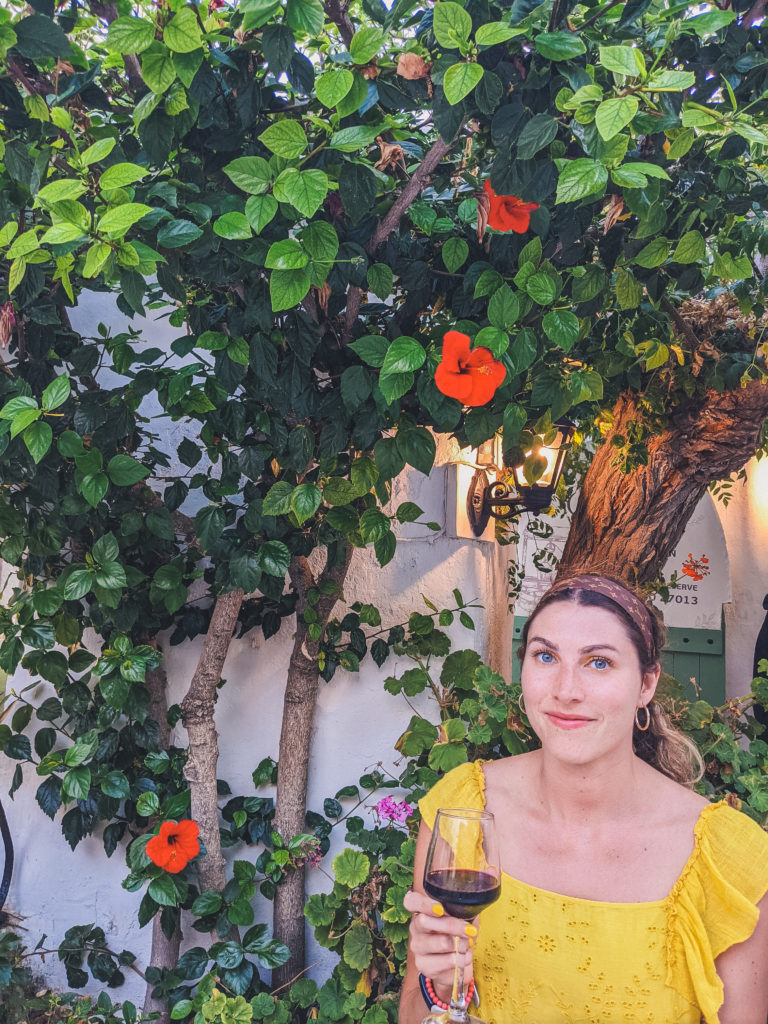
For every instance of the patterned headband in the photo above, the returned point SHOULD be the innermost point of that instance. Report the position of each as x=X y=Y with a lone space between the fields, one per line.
x=620 y=595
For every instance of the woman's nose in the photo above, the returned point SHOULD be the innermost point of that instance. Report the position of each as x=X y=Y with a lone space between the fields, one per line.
x=569 y=685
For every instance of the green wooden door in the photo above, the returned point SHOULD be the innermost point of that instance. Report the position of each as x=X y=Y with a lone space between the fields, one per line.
x=697 y=654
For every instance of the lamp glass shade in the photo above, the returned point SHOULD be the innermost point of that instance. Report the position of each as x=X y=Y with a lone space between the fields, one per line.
x=554 y=455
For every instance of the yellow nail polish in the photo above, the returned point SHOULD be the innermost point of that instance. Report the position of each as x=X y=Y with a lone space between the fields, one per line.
x=470 y=943
x=469 y=929
x=437 y=910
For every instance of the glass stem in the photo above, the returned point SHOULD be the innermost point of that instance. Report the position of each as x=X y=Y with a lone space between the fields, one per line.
x=458 y=1007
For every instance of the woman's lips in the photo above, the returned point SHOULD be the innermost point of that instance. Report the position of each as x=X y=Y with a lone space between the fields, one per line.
x=567 y=721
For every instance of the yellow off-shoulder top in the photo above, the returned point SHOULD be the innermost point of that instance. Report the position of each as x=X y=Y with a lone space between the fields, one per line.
x=544 y=958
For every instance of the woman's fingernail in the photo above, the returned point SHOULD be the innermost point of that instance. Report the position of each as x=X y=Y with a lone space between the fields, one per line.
x=469 y=929
x=437 y=910
x=470 y=943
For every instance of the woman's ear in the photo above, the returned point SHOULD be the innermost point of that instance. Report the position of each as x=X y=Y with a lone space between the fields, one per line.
x=650 y=682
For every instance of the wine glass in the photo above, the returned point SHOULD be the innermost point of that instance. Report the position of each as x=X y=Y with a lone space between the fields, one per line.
x=462 y=873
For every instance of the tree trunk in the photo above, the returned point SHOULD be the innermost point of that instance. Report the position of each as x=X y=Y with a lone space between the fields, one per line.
x=629 y=523
x=293 y=758
x=197 y=714
x=165 y=951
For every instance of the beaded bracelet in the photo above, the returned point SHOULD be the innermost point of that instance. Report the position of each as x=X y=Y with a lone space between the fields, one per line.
x=430 y=996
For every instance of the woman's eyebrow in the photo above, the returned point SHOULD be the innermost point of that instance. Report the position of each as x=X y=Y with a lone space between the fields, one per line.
x=542 y=640
x=598 y=647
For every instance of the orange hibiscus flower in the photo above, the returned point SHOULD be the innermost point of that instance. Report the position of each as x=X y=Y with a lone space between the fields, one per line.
x=508 y=213
x=471 y=376
x=175 y=845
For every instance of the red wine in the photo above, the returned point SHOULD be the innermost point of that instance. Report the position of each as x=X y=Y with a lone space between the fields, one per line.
x=462 y=892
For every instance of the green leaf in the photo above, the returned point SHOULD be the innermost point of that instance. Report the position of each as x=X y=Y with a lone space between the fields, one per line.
x=111 y=576
x=232 y=225
x=83 y=749
x=358 y=947
x=64 y=188
x=148 y=804
x=504 y=308
x=461 y=79
x=350 y=868
x=321 y=241
x=22 y=419
x=373 y=525
x=670 y=81
x=629 y=291
x=182 y=33
x=454 y=252
x=209 y=524
x=365 y=44
x=614 y=114
x=130 y=35
x=260 y=210
x=56 y=393
x=690 y=249
x=372 y=349
x=305 y=501
x=712 y=21
x=163 y=891
x=94 y=487
x=494 y=32
x=119 y=219
x=624 y=60
x=16 y=405
x=380 y=281
x=404 y=355
x=288 y=287
x=653 y=254
x=350 y=140
x=417 y=447
x=250 y=173
x=332 y=86
x=681 y=143
x=40 y=37
x=451 y=25
x=541 y=288
x=395 y=385
x=76 y=784
x=536 y=134
x=305 y=190
x=562 y=327
x=125 y=471
x=305 y=16
x=559 y=45
x=274 y=558
x=495 y=340
x=37 y=437
x=581 y=178
x=158 y=71
x=285 y=138
x=78 y=584
x=99 y=150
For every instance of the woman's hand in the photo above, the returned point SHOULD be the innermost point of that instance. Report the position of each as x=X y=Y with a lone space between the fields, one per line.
x=432 y=942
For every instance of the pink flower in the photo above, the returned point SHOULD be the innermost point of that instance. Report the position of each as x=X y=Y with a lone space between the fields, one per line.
x=395 y=810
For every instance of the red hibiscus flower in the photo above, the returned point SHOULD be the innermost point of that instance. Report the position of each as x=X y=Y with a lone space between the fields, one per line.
x=175 y=846
x=508 y=213
x=471 y=376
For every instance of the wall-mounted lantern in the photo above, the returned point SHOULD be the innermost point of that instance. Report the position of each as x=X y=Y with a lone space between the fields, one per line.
x=486 y=499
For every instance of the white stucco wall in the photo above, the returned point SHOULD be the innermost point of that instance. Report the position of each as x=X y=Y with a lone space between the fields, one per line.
x=356 y=722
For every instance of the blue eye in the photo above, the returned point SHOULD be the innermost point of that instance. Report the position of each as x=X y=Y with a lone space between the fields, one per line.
x=545 y=657
x=600 y=663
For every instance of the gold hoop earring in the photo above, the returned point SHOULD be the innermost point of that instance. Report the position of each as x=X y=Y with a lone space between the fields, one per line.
x=643 y=728
x=521 y=704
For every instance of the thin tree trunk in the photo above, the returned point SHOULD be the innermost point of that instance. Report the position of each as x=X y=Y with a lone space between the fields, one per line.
x=197 y=710
x=295 y=746
x=165 y=951
x=629 y=523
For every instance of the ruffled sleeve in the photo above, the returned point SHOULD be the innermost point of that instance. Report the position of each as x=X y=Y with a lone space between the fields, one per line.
x=713 y=904
x=462 y=787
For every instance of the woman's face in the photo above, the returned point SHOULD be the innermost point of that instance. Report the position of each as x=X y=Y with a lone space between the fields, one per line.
x=582 y=682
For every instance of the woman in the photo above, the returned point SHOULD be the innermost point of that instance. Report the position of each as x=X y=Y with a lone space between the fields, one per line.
x=626 y=896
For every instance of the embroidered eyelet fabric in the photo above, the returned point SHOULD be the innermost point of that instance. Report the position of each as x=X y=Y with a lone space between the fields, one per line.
x=544 y=958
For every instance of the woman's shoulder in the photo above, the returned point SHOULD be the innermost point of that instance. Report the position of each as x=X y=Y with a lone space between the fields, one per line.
x=463 y=786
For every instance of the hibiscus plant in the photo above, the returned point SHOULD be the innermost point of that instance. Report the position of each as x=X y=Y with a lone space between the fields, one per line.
x=369 y=224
